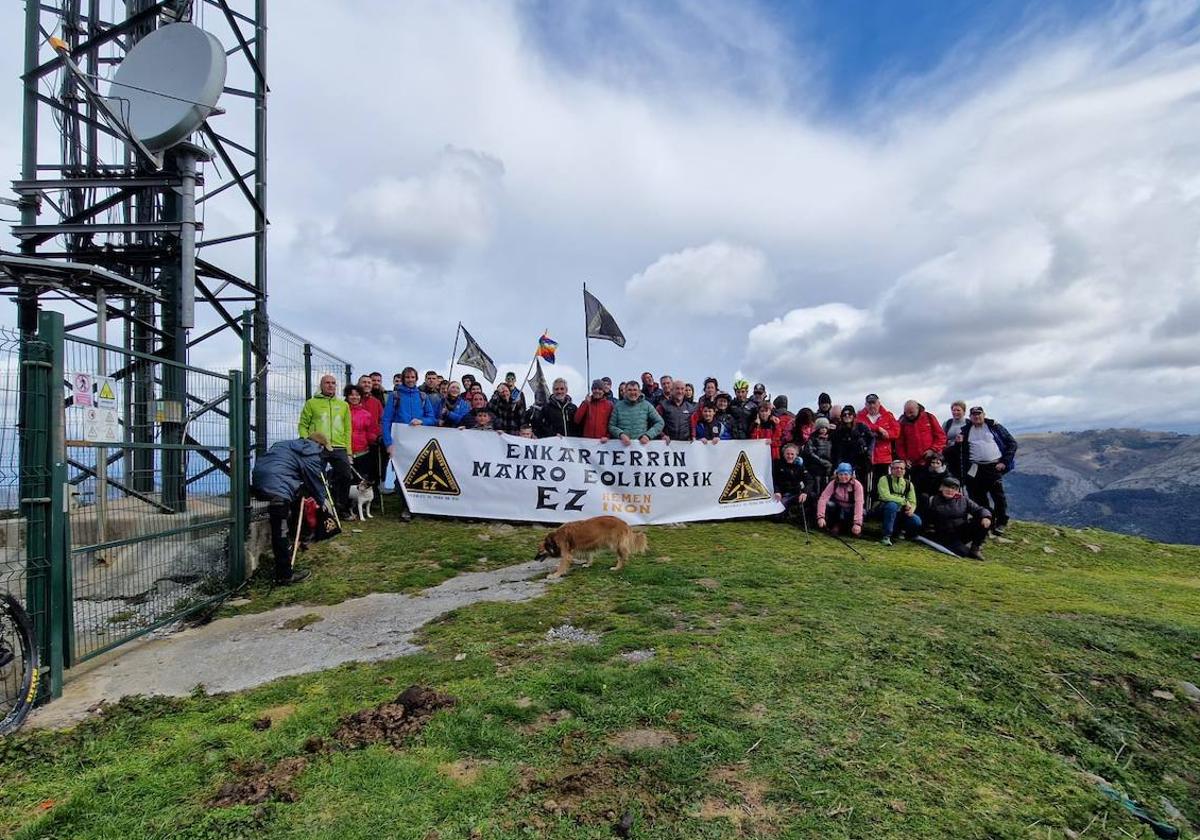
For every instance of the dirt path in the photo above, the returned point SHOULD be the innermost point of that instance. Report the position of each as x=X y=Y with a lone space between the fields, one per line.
x=248 y=650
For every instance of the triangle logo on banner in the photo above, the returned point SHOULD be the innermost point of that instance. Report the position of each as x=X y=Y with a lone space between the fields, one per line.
x=743 y=485
x=430 y=473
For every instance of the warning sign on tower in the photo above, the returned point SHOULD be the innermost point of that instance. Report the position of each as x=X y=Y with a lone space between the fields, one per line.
x=106 y=392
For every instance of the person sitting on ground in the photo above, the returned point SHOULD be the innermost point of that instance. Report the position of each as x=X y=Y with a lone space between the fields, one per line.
x=897 y=495
x=929 y=483
x=284 y=475
x=766 y=427
x=921 y=436
x=593 y=414
x=818 y=455
x=708 y=428
x=841 y=502
x=981 y=455
x=507 y=412
x=884 y=429
x=364 y=433
x=958 y=418
x=557 y=416
x=958 y=523
x=852 y=442
x=825 y=408
x=633 y=418
x=329 y=415
x=791 y=481
x=676 y=413
x=481 y=420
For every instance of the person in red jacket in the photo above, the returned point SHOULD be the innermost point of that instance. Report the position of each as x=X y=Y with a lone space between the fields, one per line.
x=364 y=434
x=884 y=429
x=767 y=427
x=593 y=413
x=921 y=436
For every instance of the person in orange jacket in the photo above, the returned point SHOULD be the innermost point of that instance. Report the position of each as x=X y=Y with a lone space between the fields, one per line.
x=884 y=429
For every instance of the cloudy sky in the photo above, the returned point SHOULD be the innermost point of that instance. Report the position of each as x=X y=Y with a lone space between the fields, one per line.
x=998 y=202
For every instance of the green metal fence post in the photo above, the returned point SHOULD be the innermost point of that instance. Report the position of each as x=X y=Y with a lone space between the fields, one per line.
x=307 y=370
x=238 y=480
x=349 y=371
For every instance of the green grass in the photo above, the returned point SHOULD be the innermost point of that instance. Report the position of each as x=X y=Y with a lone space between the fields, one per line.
x=812 y=694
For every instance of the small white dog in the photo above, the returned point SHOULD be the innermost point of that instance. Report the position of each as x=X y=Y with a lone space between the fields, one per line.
x=362 y=494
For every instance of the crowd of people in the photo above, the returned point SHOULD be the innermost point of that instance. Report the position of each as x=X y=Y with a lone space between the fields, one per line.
x=834 y=466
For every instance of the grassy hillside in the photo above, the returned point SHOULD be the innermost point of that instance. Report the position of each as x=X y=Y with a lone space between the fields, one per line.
x=794 y=691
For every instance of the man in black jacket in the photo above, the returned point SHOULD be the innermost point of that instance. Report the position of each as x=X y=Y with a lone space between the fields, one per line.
x=282 y=476
x=958 y=523
x=677 y=414
x=557 y=416
x=981 y=455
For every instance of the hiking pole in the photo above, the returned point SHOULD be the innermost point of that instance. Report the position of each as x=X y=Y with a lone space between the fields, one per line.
x=804 y=519
x=332 y=504
x=838 y=537
x=295 y=542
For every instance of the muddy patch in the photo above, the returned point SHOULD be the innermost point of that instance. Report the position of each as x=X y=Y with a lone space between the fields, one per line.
x=545 y=721
x=391 y=723
x=742 y=801
x=274 y=715
x=256 y=783
x=594 y=793
x=643 y=739
x=465 y=771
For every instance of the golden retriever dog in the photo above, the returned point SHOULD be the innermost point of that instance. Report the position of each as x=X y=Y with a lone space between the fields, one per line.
x=590 y=535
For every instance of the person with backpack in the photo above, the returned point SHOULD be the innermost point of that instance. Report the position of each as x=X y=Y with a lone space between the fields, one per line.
x=284 y=475
x=406 y=406
x=841 y=502
x=897 y=495
x=921 y=436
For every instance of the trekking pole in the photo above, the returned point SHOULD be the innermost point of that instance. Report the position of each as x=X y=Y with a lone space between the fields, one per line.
x=804 y=519
x=296 y=542
x=838 y=537
x=382 y=472
x=332 y=504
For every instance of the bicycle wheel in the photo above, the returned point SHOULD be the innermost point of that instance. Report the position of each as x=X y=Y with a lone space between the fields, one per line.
x=18 y=664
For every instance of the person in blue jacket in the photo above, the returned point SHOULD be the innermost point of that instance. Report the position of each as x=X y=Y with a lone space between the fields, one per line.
x=282 y=476
x=454 y=407
x=710 y=428
x=409 y=406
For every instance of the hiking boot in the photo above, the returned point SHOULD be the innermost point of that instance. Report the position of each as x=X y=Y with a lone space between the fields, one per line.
x=975 y=554
x=998 y=530
x=297 y=576
x=405 y=516
x=886 y=541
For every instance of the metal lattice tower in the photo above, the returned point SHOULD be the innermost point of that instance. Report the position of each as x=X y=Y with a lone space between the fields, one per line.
x=105 y=231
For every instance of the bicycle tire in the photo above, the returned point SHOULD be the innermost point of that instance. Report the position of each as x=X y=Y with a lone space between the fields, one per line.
x=19 y=678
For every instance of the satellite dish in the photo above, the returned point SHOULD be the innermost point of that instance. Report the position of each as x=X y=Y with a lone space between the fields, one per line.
x=168 y=84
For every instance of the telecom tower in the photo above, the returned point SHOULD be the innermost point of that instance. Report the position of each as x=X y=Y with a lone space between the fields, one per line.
x=126 y=154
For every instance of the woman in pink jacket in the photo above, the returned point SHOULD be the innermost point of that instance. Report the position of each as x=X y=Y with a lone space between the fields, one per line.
x=841 y=502
x=364 y=433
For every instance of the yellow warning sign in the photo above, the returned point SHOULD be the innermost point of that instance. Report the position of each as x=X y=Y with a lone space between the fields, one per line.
x=743 y=485
x=430 y=473
x=106 y=391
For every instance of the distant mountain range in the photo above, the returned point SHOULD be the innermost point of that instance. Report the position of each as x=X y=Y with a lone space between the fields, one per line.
x=1126 y=480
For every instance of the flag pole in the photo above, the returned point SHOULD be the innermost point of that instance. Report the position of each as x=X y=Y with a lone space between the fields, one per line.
x=587 y=346
x=454 y=352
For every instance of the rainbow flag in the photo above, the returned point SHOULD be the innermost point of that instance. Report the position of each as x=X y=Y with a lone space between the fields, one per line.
x=546 y=347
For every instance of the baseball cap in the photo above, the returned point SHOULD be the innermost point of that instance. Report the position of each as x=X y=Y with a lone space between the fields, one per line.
x=872 y=398
x=597 y=383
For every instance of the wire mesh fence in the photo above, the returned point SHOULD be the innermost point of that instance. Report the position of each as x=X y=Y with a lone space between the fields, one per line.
x=294 y=370
x=151 y=507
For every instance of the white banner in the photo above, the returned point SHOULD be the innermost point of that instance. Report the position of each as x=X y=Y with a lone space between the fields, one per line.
x=449 y=472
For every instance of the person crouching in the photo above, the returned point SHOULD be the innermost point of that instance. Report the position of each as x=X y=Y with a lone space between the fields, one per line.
x=791 y=482
x=958 y=523
x=841 y=502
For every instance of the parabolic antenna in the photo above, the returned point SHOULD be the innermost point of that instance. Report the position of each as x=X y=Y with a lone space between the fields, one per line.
x=168 y=84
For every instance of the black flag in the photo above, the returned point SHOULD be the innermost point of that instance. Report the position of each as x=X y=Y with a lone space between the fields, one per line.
x=473 y=356
x=541 y=392
x=600 y=322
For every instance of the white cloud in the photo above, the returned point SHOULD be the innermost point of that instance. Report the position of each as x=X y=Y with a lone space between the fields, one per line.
x=719 y=278
x=427 y=218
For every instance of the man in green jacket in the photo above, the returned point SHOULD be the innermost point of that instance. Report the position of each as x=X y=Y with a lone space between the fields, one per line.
x=330 y=415
x=633 y=417
x=897 y=496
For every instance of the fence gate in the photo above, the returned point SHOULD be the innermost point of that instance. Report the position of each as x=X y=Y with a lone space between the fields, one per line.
x=142 y=516
x=154 y=517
